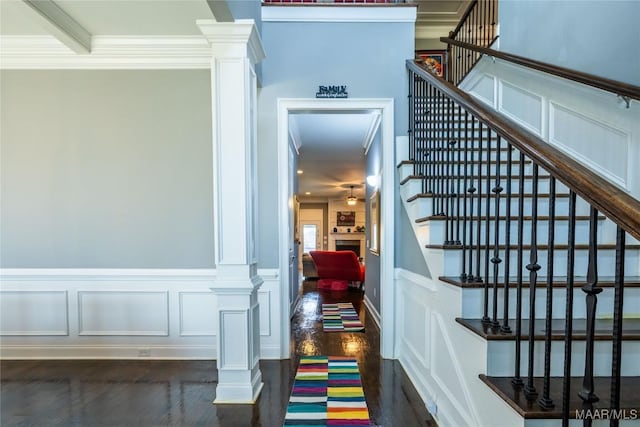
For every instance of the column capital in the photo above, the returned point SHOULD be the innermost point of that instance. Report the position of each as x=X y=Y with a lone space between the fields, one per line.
x=233 y=39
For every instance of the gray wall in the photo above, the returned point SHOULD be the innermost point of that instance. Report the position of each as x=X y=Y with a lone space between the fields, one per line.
x=368 y=58
x=106 y=169
x=372 y=274
x=594 y=36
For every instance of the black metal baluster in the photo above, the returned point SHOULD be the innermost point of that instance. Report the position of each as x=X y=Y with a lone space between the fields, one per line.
x=450 y=172
x=517 y=379
x=568 y=328
x=428 y=139
x=487 y=223
x=456 y=125
x=479 y=209
x=485 y=314
x=464 y=275
x=592 y=290
x=533 y=268
x=618 y=300
x=440 y=151
x=412 y=121
x=471 y=190
x=504 y=328
x=545 y=401
x=496 y=260
x=443 y=157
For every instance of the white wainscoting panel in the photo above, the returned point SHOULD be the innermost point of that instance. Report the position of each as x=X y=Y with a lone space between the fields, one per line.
x=264 y=298
x=235 y=326
x=196 y=315
x=447 y=379
x=123 y=314
x=51 y=307
x=585 y=137
x=484 y=88
x=522 y=105
x=595 y=127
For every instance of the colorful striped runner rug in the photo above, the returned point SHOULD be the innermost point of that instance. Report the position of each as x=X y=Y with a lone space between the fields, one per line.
x=340 y=317
x=327 y=391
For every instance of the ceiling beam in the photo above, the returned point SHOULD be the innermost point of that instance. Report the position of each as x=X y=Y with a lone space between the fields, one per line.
x=60 y=25
x=221 y=11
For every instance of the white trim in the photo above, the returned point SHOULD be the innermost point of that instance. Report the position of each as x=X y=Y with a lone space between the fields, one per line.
x=119 y=274
x=371 y=132
x=375 y=316
x=385 y=106
x=238 y=38
x=108 y=352
x=339 y=14
x=127 y=52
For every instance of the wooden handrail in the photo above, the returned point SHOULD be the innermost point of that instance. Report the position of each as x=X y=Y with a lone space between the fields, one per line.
x=619 y=88
x=610 y=200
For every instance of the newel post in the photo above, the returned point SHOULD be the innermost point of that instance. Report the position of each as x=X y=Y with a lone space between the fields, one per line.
x=235 y=49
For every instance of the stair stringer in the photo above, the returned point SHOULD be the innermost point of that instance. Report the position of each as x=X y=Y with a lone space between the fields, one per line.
x=444 y=359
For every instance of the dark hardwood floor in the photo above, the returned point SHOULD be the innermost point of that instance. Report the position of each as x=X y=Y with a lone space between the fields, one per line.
x=180 y=393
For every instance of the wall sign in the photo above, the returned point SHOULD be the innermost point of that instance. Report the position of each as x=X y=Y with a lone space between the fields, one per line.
x=336 y=91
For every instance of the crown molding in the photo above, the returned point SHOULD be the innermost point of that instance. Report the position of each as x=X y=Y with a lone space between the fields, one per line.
x=340 y=14
x=125 y=52
x=233 y=38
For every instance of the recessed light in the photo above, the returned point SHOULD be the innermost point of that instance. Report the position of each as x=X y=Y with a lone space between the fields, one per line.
x=308 y=193
x=300 y=171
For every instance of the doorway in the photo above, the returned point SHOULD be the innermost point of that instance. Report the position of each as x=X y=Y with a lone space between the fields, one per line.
x=384 y=108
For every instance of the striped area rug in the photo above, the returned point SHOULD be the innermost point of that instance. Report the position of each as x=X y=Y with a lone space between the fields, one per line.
x=340 y=317
x=327 y=391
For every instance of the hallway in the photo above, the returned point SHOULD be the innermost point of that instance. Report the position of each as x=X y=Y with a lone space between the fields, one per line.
x=180 y=392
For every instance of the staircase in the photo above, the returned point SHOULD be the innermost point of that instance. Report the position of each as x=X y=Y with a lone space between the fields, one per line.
x=547 y=281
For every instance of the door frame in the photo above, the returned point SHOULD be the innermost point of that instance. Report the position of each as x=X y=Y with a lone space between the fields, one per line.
x=385 y=107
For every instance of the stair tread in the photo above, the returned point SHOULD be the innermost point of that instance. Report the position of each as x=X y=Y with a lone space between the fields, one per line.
x=504 y=218
x=515 y=397
x=491 y=177
x=484 y=196
x=540 y=247
x=603 y=329
x=557 y=282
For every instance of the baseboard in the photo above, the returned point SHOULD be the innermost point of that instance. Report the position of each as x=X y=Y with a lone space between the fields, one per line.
x=141 y=352
x=375 y=315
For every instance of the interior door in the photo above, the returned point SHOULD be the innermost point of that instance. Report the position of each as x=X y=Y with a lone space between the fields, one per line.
x=294 y=274
x=311 y=232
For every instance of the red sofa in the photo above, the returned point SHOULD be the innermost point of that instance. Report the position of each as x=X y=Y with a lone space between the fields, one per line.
x=337 y=269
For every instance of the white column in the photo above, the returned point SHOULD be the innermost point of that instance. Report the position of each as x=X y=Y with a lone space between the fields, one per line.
x=235 y=49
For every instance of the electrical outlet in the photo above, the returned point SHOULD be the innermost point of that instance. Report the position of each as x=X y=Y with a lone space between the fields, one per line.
x=144 y=352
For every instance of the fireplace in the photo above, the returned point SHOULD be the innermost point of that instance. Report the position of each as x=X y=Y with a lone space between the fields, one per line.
x=348 y=245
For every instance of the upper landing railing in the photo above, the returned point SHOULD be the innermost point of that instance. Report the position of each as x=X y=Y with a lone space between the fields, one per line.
x=332 y=2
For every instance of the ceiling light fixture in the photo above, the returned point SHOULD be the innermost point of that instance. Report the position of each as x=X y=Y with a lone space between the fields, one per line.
x=300 y=171
x=352 y=200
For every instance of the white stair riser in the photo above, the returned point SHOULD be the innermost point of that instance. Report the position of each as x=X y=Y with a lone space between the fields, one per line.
x=438 y=231
x=459 y=184
x=606 y=262
x=472 y=302
x=561 y=205
x=501 y=359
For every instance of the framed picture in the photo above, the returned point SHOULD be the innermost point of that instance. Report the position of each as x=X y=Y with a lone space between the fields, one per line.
x=434 y=60
x=346 y=218
x=374 y=215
